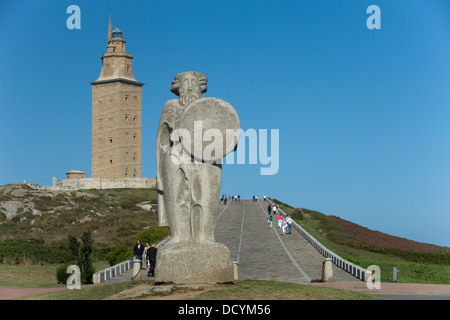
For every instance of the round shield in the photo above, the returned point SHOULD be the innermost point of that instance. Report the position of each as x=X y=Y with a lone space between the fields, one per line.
x=209 y=129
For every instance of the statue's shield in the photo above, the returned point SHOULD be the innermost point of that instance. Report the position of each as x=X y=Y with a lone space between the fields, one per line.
x=210 y=129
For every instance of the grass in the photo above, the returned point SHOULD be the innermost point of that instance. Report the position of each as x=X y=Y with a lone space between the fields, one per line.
x=19 y=276
x=240 y=290
x=34 y=276
x=276 y=290
x=91 y=292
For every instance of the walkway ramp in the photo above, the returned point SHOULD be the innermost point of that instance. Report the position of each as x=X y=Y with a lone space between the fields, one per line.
x=265 y=253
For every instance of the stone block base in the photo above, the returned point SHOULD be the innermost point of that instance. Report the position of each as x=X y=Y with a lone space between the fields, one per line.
x=194 y=262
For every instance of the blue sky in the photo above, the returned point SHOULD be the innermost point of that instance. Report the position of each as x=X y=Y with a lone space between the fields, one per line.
x=363 y=115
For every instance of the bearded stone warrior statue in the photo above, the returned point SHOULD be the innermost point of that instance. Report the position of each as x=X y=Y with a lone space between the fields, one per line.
x=188 y=182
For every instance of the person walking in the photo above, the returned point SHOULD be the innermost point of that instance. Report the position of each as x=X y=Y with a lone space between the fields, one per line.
x=138 y=250
x=289 y=222
x=270 y=220
x=147 y=246
x=152 y=260
x=283 y=227
x=275 y=209
x=269 y=208
x=280 y=220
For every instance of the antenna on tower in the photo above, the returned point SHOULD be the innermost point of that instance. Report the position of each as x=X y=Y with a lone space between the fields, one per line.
x=109 y=27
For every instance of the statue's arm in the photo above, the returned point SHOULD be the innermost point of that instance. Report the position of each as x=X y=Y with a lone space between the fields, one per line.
x=162 y=145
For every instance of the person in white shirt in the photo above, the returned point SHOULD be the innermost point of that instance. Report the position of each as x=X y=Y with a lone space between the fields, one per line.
x=289 y=222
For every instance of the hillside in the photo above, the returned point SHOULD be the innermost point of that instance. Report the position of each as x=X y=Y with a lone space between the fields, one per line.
x=111 y=215
x=32 y=221
x=350 y=234
x=418 y=262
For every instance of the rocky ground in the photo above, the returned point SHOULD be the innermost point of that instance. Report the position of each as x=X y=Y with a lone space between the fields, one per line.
x=51 y=215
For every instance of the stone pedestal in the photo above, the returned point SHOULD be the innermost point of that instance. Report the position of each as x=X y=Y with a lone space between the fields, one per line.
x=137 y=266
x=327 y=274
x=194 y=262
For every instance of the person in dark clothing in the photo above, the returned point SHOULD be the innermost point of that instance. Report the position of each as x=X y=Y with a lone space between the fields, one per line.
x=151 y=256
x=138 y=250
x=269 y=208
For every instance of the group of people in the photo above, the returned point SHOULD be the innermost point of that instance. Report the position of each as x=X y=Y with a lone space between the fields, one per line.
x=149 y=254
x=226 y=199
x=285 y=224
x=255 y=198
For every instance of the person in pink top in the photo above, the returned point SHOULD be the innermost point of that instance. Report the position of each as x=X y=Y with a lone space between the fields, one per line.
x=280 y=220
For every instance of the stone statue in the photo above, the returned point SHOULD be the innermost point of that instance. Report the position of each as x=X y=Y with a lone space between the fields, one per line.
x=189 y=175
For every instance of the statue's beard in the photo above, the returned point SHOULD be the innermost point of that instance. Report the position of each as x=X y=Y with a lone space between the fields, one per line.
x=188 y=96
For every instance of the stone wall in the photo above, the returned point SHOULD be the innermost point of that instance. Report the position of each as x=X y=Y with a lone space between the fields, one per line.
x=97 y=183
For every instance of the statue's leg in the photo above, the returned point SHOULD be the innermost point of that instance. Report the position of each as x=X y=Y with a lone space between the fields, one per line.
x=176 y=201
x=205 y=190
x=183 y=203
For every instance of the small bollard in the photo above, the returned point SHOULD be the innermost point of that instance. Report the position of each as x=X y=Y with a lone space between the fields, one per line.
x=137 y=266
x=327 y=270
x=235 y=270
x=394 y=274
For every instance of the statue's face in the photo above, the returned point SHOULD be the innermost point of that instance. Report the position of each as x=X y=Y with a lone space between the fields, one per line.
x=189 y=82
x=189 y=89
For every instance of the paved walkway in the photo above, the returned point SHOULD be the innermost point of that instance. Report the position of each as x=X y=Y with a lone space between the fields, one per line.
x=12 y=293
x=267 y=254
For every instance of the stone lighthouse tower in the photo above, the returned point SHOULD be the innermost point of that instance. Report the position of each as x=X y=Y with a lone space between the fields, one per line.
x=116 y=114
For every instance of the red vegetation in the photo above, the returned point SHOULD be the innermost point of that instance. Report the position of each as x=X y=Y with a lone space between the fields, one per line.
x=356 y=235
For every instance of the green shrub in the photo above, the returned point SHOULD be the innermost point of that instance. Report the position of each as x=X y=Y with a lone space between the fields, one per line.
x=61 y=273
x=119 y=254
x=297 y=214
x=124 y=252
x=82 y=254
x=153 y=235
x=33 y=250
